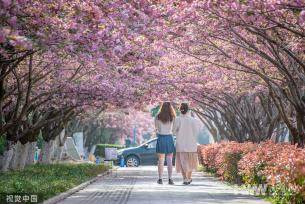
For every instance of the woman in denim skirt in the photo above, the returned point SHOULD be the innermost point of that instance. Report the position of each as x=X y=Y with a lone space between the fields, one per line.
x=165 y=142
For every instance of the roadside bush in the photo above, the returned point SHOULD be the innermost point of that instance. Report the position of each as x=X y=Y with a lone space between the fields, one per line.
x=281 y=166
x=208 y=155
x=223 y=158
x=39 y=141
x=48 y=180
x=254 y=176
x=100 y=148
x=282 y=194
x=2 y=145
x=231 y=167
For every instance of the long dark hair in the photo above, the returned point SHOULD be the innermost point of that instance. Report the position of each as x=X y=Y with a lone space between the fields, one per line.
x=167 y=113
x=184 y=108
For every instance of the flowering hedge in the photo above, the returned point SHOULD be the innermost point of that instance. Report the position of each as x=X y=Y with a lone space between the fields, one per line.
x=281 y=166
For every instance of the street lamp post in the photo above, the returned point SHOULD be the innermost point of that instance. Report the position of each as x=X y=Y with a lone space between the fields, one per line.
x=134 y=135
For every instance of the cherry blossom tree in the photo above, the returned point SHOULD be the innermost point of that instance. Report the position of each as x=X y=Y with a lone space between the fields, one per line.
x=53 y=68
x=240 y=64
x=262 y=40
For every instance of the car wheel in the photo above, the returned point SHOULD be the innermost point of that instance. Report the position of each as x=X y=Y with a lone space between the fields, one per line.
x=132 y=161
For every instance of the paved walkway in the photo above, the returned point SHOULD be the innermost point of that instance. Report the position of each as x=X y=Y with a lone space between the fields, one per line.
x=138 y=186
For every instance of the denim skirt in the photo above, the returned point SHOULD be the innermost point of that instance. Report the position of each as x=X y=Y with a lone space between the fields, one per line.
x=165 y=144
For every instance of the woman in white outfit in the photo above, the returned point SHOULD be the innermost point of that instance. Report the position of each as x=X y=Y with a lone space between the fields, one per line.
x=186 y=130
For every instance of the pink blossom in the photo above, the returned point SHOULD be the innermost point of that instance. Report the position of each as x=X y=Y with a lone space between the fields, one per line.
x=302 y=17
x=6 y=3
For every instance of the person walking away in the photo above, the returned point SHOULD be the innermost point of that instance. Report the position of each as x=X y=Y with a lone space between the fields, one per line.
x=186 y=129
x=165 y=142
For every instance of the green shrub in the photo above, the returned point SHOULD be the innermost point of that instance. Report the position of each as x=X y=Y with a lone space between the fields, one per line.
x=2 y=145
x=48 y=180
x=255 y=177
x=204 y=168
x=282 y=194
x=155 y=110
x=100 y=148
x=231 y=171
x=39 y=140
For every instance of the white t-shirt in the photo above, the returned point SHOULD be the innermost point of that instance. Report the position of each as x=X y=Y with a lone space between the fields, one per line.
x=163 y=128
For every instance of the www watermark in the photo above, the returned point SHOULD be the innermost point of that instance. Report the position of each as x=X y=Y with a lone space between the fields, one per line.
x=12 y=198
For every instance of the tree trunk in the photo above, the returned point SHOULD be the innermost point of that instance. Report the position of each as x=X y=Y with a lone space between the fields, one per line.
x=16 y=156
x=56 y=151
x=8 y=155
x=31 y=153
x=59 y=151
x=59 y=145
x=53 y=150
x=301 y=129
x=274 y=138
x=24 y=154
x=46 y=152
x=92 y=150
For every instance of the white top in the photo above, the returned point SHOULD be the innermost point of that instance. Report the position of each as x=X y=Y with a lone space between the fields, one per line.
x=186 y=129
x=163 y=128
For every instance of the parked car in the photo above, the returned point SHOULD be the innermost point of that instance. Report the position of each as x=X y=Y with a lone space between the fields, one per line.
x=144 y=154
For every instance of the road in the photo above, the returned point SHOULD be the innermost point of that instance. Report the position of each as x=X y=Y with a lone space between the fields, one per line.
x=138 y=186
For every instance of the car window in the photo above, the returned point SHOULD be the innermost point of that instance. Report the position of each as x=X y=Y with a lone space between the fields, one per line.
x=152 y=144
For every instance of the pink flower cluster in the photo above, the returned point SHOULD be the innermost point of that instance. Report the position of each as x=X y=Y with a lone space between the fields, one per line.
x=277 y=163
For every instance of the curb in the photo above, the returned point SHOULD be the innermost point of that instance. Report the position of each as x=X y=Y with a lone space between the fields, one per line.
x=66 y=194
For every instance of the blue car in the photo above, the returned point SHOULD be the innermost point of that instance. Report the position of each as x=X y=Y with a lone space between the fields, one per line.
x=144 y=154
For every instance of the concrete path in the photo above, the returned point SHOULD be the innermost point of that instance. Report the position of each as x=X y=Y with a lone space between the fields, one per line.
x=138 y=186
